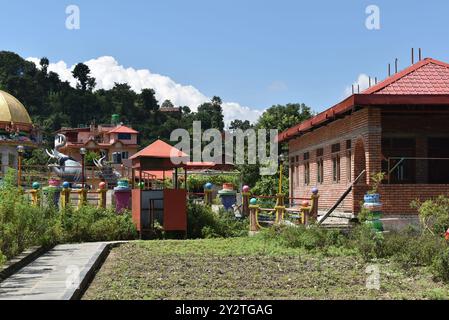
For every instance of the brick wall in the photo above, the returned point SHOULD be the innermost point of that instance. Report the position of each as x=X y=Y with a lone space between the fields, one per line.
x=363 y=128
x=396 y=199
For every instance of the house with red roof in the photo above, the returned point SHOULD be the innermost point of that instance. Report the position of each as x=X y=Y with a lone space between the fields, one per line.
x=117 y=142
x=399 y=126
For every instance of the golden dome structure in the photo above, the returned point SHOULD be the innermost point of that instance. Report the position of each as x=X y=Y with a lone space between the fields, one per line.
x=13 y=111
x=16 y=131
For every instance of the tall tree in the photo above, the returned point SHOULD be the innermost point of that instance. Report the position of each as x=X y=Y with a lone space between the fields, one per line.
x=211 y=114
x=81 y=72
x=148 y=100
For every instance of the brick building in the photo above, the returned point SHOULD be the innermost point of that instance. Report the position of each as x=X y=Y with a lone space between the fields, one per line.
x=399 y=126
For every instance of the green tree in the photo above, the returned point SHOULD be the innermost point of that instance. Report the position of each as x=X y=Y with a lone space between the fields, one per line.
x=148 y=100
x=82 y=74
x=211 y=114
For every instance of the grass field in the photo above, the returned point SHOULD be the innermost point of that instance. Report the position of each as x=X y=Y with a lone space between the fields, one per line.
x=250 y=268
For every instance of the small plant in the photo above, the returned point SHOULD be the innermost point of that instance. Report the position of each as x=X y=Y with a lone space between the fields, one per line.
x=376 y=180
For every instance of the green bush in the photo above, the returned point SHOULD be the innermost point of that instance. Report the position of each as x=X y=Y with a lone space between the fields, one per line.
x=97 y=224
x=23 y=225
x=440 y=265
x=418 y=250
x=308 y=238
x=196 y=182
x=433 y=214
x=203 y=223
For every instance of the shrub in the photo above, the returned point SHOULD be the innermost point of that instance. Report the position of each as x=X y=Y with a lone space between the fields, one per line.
x=433 y=214
x=23 y=225
x=440 y=265
x=198 y=217
x=203 y=223
x=309 y=238
x=367 y=242
x=196 y=182
x=97 y=224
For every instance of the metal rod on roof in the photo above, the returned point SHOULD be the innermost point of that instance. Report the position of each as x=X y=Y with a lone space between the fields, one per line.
x=352 y=88
x=420 y=55
x=389 y=70
x=369 y=82
x=358 y=88
x=413 y=55
x=396 y=65
x=375 y=80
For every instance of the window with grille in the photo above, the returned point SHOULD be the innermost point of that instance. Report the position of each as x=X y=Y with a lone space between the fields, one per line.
x=306 y=156
x=320 y=170
x=335 y=148
x=348 y=144
x=349 y=165
x=336 y=169
x=306 y=173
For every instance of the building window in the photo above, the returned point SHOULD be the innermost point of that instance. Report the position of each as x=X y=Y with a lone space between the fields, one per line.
x=293 y=177
x=307 y=173
x=297 y=175
x=320 y=170
x=349 y=165
x=306 y=156
x=117 y=157
x=348 y=144
x=124 y=136
x=335 y=148
x=319 y=152
x=336 y=168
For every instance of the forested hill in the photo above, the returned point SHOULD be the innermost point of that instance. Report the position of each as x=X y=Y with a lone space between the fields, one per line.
x=53 y=103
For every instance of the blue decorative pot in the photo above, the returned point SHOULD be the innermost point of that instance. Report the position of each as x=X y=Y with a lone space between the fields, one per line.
x=228 y=198
x=372 y=198
x=373 y=204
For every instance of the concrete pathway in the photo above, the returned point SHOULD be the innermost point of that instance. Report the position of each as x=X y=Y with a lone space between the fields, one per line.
x=56 y=275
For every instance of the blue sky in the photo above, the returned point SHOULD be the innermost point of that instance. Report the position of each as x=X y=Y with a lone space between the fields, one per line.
x=255 y=53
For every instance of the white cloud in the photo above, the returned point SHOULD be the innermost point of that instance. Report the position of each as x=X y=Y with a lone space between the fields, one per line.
x=362 y=81
x=107 y=71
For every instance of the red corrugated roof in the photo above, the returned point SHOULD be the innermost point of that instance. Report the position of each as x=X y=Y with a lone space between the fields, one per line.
x=123 y=129
x=159 y=149
x=427 y=80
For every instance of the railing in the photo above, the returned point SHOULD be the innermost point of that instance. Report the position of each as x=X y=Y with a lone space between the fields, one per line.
x=92 y=175
x=417 y=170
x=67 y=197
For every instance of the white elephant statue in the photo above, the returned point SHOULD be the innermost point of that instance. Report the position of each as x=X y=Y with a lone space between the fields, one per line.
x=67 y=168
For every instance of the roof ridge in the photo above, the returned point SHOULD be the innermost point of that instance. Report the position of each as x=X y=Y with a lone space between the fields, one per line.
x=401 y=74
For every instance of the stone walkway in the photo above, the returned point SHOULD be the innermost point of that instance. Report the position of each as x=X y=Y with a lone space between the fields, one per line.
x=56 y=275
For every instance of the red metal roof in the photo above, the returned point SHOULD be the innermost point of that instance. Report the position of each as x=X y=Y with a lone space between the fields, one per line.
x=159 y=149
x=123 y=129
x=428 y=76
x=425 y=82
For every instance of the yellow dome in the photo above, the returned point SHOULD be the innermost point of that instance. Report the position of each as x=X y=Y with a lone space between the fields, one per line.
x=11 y=110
